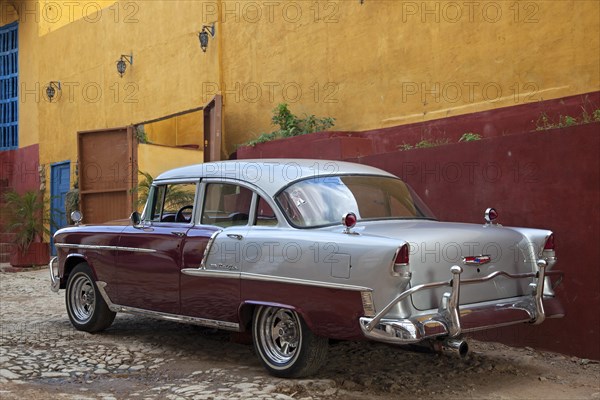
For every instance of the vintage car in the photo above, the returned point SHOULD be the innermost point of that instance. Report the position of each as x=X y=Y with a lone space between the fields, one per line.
x=298 y=252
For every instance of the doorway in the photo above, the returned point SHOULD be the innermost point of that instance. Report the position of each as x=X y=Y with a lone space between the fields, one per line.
x=60 y=184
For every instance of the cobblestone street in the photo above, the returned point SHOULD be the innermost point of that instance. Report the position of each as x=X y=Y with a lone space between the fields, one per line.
x=42 y=356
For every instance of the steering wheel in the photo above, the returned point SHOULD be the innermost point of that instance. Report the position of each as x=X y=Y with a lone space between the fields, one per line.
x=180 y=216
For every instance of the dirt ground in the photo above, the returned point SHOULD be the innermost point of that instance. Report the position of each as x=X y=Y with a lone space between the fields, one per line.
x=43 y=357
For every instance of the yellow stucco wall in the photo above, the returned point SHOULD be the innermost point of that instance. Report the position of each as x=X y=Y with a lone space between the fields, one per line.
x=169 y=157
x=382 y=63
x=180 y=130
x=389 y=63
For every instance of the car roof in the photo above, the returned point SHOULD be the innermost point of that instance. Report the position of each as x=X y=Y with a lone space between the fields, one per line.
x=271 y=175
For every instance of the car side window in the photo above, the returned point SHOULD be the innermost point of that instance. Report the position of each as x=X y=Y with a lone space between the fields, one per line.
x=156 y=205
x=265 y=216
x=173 y=203
x=226 y=205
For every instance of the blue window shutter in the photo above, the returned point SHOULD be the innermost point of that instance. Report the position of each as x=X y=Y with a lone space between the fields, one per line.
x=9 y=90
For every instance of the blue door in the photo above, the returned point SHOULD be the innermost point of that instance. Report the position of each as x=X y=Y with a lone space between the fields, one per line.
x=59 y=187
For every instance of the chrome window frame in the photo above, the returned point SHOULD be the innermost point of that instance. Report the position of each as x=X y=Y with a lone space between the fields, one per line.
x=256 y=191
x=145 y=217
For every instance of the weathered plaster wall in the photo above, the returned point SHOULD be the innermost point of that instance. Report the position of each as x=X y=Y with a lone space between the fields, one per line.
x=389 y=63
x=169 y=157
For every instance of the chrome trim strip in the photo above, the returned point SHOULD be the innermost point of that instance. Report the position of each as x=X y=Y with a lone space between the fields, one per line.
x=230 y=326
x=54 y=278
x=101 y=288
x=209 y=245
x=211 y=323
x=211 y=273
x=99 y=247
x=330 y=285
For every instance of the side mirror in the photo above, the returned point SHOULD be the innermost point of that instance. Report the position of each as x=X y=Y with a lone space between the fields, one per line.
x=135 y=219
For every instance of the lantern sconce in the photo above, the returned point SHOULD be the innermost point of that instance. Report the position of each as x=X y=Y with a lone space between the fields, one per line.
x=51 y=89
x=122 y=63
x=204 y=34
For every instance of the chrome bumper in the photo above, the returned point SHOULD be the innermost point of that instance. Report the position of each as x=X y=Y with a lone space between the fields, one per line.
x=54 y=278
x=450 y=320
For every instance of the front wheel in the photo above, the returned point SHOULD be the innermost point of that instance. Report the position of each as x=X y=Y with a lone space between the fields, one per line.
x=285 y=345
x=86 y=308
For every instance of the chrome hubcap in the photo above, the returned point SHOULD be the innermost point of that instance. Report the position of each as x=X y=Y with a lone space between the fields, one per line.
x=279 y=334
x=82 y=298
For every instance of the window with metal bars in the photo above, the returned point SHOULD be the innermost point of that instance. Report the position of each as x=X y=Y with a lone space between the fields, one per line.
x=9 y=81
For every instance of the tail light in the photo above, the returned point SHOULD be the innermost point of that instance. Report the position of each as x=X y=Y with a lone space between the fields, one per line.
x=402 y=255
x=349 y=220
x=490 y=215
x=549 y=245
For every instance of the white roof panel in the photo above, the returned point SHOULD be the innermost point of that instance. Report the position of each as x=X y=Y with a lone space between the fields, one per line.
x=270 y=174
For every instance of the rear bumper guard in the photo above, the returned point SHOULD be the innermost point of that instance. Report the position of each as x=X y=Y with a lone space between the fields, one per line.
x=450 y=320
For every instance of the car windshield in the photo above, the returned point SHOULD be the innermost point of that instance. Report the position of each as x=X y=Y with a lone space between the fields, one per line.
x=323 y=201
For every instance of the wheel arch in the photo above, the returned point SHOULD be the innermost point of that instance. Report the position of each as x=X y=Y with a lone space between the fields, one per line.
x=246 y=311
x=71 y=262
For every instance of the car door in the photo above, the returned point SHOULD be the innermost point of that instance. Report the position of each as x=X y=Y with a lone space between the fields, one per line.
x=210 y=281
x=149 y=259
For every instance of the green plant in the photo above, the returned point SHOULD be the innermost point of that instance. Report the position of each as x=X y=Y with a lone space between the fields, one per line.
x=469 y=137
x=566 y=121
x=290 y=125
x=543 y=122
x=143 y=188
x=423 y=144
x=26 y=217
x=283 y=117
x=72 y=201
x=140 y=134
x=175 y=197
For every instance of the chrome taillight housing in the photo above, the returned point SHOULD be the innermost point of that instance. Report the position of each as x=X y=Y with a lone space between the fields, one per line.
x=401 y=261
x=549 y=253
x=550 y=245
x=402 y=255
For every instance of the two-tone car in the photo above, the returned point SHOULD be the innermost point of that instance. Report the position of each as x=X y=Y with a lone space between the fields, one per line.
x=298 y=252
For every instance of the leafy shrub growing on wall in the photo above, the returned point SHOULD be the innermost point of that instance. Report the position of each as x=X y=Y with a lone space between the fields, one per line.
x=290 y=125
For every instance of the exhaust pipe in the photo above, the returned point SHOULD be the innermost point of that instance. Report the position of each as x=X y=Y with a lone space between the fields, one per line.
x=454 y=347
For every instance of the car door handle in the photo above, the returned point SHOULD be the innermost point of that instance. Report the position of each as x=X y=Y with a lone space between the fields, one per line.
x=235 y=236
x=177 y=233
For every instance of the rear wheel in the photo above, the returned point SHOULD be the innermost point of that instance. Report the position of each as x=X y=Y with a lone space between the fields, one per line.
x=86 y=308
x=285 y=345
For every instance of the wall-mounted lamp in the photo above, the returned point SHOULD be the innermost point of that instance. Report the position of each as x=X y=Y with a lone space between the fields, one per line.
x=203 y=35
x=51 y=89
x=122 y=63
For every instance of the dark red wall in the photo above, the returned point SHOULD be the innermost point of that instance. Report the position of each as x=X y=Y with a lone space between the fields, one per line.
x=540 y=179
x=546 y=179
x=19 y=169
x=498 y=122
